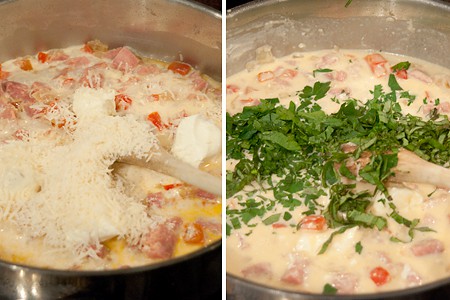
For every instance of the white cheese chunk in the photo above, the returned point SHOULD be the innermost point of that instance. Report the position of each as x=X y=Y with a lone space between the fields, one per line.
x=93 y=102
x=196 y=139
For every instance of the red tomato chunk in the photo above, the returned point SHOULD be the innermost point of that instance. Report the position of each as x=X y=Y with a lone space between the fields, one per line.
x=380 y=276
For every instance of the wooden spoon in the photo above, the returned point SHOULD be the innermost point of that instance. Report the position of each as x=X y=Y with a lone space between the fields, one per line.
x=412 y=168
x=165 y=163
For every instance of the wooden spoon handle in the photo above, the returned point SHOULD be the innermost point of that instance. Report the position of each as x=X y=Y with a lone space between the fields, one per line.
x=412 y=168
x=165 y=163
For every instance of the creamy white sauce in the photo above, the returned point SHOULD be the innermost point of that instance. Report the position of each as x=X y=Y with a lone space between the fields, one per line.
x=264 y=254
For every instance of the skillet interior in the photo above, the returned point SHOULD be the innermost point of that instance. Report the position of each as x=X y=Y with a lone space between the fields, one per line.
x=159 y=29
x=414 y=28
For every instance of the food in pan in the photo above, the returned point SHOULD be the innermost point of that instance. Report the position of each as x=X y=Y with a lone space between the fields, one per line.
x=66 y=116
x=328 y=185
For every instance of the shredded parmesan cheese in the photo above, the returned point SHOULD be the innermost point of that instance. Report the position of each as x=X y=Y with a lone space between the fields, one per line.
x=63 y=190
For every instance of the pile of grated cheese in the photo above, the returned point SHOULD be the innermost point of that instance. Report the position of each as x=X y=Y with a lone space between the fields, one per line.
x=59 y=187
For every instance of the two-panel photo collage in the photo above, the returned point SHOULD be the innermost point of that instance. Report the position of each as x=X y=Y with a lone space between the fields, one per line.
x=207 y=149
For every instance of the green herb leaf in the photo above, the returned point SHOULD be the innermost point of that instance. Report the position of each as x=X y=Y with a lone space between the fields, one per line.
x=358 y=247
x=404 y=65
x=294 y=152
x=328 y=289
x=393 y=84
x=272 y=219
x=341 y=230
x=287 y=216
x=321 y=71
x=316 y=92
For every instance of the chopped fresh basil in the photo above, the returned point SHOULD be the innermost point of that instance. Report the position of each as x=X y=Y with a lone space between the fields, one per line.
x=393 y=84
x=321 y=71
x=287 y=216
x=358 y=247
x=404 y=65
x=272 y=219
x=341 y=230
x=328 y=289
x=301 y=146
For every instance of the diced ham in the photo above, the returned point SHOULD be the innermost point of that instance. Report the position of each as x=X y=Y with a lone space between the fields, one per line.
x=147 y=69
x=345 y=283
x=159 y=242
x=327 y=60
x=7 y=111
x=56 y=55
x=200 y=84
x=427 y=247
x=294 y=275
x=125 y=60
x=232 y=88
x=258 y=270
x=250 y=101
x=337 y=75
x=155 y=199
x=443 y=107
x=282 y=82
x=412 y=278
x=210 y=225
x=30 y=110
x=17 y=91
x=420 y=75
x=77 y=61
x=42 y=92
x=112 y=53
x=205 y=195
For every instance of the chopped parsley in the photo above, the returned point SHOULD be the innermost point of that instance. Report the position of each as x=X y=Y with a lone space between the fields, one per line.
x=328 y=289
x=401 y=66
x=295 y=153
x=358 y=247
x=321 y=71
